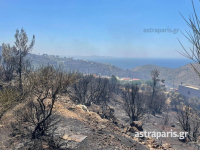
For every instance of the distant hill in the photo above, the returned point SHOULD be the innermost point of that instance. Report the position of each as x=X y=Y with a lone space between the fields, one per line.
x=183 y=74
x=81 y=65
x=87 y=57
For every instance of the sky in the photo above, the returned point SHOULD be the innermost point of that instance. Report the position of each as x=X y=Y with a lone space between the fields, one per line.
x=117 y=28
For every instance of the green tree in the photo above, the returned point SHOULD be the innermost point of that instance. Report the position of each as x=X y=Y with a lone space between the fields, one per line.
x=138 y=82
x=149 y=82
x=113 y=79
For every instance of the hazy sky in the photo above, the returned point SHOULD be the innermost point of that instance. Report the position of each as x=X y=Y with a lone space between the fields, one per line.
x=98 y=27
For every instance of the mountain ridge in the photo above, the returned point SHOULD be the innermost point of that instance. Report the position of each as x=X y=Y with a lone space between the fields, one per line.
x=173 y=77
x=184 y=74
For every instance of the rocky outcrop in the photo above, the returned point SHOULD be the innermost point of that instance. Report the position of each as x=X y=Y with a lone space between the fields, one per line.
x=83 y=107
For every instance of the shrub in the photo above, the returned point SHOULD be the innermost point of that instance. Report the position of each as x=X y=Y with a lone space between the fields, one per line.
x=8 y=98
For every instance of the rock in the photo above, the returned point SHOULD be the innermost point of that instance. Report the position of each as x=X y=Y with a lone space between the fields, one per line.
x=166 y=146
x=83 y=107
x=155 y=145
x=155 y=123
x=112 y=109
x=125 y=130
x=100 y=127
x=76 y=138
x=143 y=143
x=112 y=136
x=72 y=108
x=65 y=137
x=150 y=141
x=137 y=124
x=133 y=129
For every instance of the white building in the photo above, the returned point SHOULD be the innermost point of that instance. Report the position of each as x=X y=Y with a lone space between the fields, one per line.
x=189 y=91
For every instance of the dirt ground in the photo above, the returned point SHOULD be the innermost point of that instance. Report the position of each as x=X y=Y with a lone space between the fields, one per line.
x=101 y=133
x=86 y=130
x=154 y=124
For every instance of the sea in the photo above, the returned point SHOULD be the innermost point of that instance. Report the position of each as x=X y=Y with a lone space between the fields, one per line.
x=130 y=63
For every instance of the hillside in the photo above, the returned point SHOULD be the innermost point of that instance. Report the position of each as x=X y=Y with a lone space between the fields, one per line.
x=82 y=66
x=183 y=74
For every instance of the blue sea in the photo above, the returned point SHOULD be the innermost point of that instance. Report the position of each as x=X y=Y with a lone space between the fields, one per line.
x=130 y=63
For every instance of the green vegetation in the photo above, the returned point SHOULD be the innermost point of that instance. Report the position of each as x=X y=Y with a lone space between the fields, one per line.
x=114 y=79
x=149 y=83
